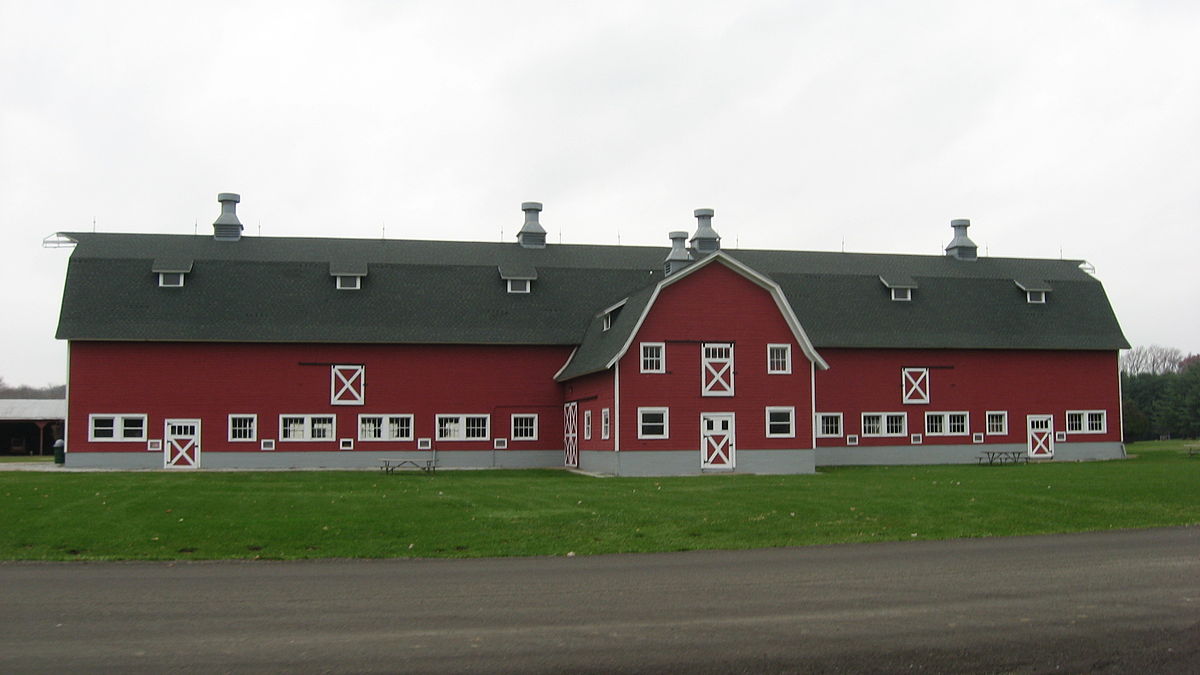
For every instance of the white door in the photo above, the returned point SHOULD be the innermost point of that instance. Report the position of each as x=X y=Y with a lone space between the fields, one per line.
x=1041 y=436
x=181 y=445
x=571 y=434
x=716 y=372
x=716 y=441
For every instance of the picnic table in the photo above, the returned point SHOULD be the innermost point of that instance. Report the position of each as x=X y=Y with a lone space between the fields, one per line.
x=1193 y=450
x=389 y=465
x=1003 y=456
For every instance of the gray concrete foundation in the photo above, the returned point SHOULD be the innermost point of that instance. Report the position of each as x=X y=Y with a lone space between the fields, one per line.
x=900 y=455
x=457 y=459
x=687 y=462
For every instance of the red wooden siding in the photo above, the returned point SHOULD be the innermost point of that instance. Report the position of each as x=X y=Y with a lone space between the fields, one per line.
x=715 y=304
x=593 y=393
x=211 y=381
x=1019 y=382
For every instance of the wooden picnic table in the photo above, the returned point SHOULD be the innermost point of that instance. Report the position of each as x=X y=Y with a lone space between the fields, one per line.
x=389 y=465
x=1003 y=456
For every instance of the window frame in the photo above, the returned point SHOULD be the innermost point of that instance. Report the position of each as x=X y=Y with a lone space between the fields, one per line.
x=118 y=427
x=162 y=279
x=342 y=282
x=463 y=421
x=787 y=358
x=708 y=386
x=520 y=286
x=662 y=357
x=229 y=427
x=987 y=422
x=531 y=419
x=342 y=378
x=914 y=386
x=309 y=425
x=653 y=410
x=819 y=423
x=587 y=425
x=1085 y=422
x=605 y=424
x=901 y=294
x=884 y=419
x=1035 y=297
x=945 y=421
x=790 y=411
x=385 y=427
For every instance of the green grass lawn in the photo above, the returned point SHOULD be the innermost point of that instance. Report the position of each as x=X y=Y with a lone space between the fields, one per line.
x=287 y=515
x=26 y=458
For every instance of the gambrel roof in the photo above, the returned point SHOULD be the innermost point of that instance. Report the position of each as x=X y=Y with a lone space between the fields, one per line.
x=266 y=289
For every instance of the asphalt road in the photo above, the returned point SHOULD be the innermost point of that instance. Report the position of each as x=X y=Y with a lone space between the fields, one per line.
x=1113 y=602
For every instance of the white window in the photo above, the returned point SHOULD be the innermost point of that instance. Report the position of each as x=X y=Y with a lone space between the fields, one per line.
x=716 y=373
x=946 y=424
x=914 y=384
x=829 y=425
x=1086 y=421
x=608 y=319
x=307 y=427
x=901 y=294
x=518 y=285
x=781 y=422
x=267 y=444
x=653 y=423
x=654 y=357
x=884 y=424
x=779 y=359
x=347 y=282
x=347 y=385
x=116 y=428
x=605 y=424
x=463 y=427
x=1035 y=297
x=243 y=428
x=170 y=279
x=385 y=427
x=997 y=422
x=916 y=439
x=524 y=427
x=587 y=425
x=346 y=444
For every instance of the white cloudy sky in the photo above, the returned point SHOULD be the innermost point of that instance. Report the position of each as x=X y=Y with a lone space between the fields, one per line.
x=1060 y=128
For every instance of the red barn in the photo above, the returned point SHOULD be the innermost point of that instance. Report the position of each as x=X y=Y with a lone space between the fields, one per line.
x=231 y=351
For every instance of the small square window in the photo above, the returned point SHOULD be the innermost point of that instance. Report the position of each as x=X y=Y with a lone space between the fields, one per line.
x=977 y=437
x=653 y=423
x=1035 y=297
x=852 y=439
x=348 y=283
x=524 y=427
x=267 y=444
x=829 y=425
x=500 y=443
x=901 y=294
x=518 y=285
x=424 y=443
x=346 y=444
x=779 y=359
x=170 y=279
x=654 y=358
x=243 y=428
x=997 y=422
x=915 y=439
x=781 y=422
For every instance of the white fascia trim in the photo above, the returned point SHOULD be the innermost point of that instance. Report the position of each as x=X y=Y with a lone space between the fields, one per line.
x=565 y=363
x=773 y=288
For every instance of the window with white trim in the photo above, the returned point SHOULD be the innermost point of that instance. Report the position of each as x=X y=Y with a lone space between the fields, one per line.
x=884 y=424
x=716 y=372
x=947 y=424
x=346 y=282
x=779 y=359
x=518 y=285
x=781 y=422
x=116 y=428
x=307 y=427
x=914 y=383
x=463 y=427
x=1087 y=421
x=653 y=422
x=997 y=422
x=1035 y=297
x=901 y=294
x=654 y=357
x=587 y=425
x=243 y=428
x=829 y=425
x=347 y=385
x=524 y=427
x=605 y=424
x=385 y=427
x=608 y=319
x=170 y=279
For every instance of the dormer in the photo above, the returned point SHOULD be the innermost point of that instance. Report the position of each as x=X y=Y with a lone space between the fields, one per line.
x=348 y=275
x=609 y=315
x=900 y=285
x=1036 y=290
x=171 y=271
x=518 y=278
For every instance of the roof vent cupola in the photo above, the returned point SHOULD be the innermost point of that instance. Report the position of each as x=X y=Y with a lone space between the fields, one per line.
x=961 y=246
x=532 y=234
x=706 y=240
x=227 y=227
x=679 y=257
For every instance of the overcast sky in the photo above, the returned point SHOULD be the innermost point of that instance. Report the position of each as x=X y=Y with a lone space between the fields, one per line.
x=1061 y=129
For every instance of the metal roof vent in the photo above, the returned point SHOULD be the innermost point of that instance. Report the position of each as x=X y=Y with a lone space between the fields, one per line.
x=706 y=240
x=227 y=227
x=679 y=257
x=962 y=247
x=532 y=234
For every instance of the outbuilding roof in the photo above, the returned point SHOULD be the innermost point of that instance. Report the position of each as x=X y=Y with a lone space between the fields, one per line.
x=267 y=289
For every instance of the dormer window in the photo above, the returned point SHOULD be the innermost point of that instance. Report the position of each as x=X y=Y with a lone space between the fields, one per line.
x=518 y=278
x=1036 y=290
x=901 y=286
x=608 y=318
x=171 y=271
x=348 y=275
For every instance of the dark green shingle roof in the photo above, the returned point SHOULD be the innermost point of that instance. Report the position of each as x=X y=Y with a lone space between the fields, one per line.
x=280 y=290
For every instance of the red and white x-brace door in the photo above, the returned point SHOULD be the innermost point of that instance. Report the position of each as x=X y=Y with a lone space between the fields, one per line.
x=1041 y=436
x=716 y=373
x=181 y=444
x=571 y=434
x=716 y=441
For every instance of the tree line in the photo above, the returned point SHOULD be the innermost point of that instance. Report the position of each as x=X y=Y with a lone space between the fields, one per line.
x=1160 y=388
x=26 y=391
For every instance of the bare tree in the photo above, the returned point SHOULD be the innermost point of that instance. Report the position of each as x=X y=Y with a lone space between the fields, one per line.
x=1152 y=360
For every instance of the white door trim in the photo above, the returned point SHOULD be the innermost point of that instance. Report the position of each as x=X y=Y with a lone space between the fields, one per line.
x=1040 y=436
x=181 y=450
x=715 y=452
